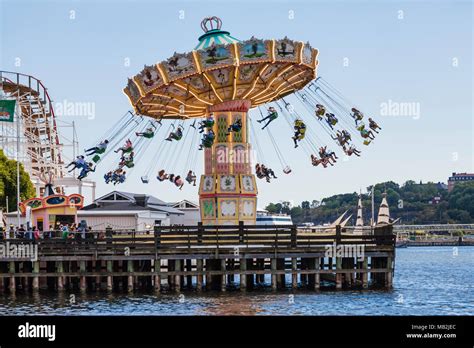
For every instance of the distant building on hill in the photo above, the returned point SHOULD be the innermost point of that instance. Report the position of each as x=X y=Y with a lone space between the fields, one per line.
x=457 y=178
x=435 y=200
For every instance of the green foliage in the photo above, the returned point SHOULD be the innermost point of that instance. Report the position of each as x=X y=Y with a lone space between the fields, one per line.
x=410 y=202
x=8 y=183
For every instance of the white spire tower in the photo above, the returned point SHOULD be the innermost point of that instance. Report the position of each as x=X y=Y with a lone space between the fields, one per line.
x=384 y=212
x=360 y=220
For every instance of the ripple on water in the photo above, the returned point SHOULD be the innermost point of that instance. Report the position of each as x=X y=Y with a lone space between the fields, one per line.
x=428 y=281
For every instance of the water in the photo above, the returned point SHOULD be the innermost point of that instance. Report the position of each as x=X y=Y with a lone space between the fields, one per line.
x=428 y=281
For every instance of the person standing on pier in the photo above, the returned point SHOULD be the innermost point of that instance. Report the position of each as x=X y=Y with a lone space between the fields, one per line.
x=36 y=233
x=11 y=232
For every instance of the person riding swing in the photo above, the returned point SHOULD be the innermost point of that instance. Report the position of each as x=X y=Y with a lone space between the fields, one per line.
x=162 y=176
x=108 y=177
x=320 y=111
x=272 y=115
x=191 y=178
x=351 y=150
x=346 y=135
x=115 y=178
x=366 y=133
x=373 y=125
x=324 y=153
x=148 y=133
x=300 y=130
x=99 y=149
x=267 y=173
x=127 y=147
x=127 y=160
x=340 y=138
x=208 y=123
x=178 y=182
x=357 y=115
x=207 y=140
x=86 y=170
x=235 y=127
x=79 y=163
x=177 y=135
x=331 y=120
x=315 y=161
x=258 y=171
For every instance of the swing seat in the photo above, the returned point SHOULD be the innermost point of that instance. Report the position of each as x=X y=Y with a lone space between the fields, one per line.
x=287 y=170
x=148 y=135
x=130 y=149
x=366 y=142
x=100 y=151
x=130 y=165
x=361 y=127
x=144 y=179
x=96 y=158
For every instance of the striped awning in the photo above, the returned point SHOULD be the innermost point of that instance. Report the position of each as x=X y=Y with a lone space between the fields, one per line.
x=215 y=37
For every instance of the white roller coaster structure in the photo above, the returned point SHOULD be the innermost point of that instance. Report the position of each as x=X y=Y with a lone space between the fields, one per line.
x=40 y=150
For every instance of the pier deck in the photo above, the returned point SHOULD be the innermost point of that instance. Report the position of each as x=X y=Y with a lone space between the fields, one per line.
x=203 y=257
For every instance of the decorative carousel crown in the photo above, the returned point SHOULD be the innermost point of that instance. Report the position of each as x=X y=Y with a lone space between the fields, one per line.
x=211 y=23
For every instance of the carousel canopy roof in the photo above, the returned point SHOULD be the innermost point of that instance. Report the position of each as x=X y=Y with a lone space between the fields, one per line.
x=220 y=69
x=213 y=35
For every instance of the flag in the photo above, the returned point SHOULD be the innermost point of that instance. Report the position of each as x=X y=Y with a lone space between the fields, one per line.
x=7 y=110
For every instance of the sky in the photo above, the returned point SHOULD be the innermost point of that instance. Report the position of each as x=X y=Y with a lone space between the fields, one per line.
x=373 y=52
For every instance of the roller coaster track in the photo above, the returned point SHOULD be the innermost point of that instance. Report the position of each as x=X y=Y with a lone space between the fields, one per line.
x=41 y=147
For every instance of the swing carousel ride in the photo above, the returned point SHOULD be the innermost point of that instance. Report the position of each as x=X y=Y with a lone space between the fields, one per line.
x=216 y=85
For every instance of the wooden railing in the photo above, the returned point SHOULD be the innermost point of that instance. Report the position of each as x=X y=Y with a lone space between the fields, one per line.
x=200 y=239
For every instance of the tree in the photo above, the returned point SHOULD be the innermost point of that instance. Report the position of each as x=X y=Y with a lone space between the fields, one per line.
x=462 y=197
x=272 y=208
x=305 y=205
x=8 y=183
x=296 y=213
x=286 y=207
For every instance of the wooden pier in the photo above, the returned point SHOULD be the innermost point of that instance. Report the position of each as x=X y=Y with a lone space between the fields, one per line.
x=202 y=258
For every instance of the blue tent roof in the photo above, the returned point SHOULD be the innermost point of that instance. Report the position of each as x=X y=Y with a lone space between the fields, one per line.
x=215 y=37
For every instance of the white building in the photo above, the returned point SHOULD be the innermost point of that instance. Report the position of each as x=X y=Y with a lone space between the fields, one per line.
x=127 y=211
x=191 y=215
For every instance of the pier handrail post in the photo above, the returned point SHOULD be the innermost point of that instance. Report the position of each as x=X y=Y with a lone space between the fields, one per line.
x=275 y=246
x=108 y=235
x=338 y=234
x=199 y=232
x=241 y=232
x=157 y=235
x=293 y=236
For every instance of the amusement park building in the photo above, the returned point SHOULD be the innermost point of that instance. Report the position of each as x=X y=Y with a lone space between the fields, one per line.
x=191 y=214
x=127 y=211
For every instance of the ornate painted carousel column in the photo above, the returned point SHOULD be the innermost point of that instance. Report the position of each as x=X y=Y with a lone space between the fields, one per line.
x=228 y=190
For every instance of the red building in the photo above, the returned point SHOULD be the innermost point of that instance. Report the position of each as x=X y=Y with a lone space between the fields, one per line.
x=459 y=177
